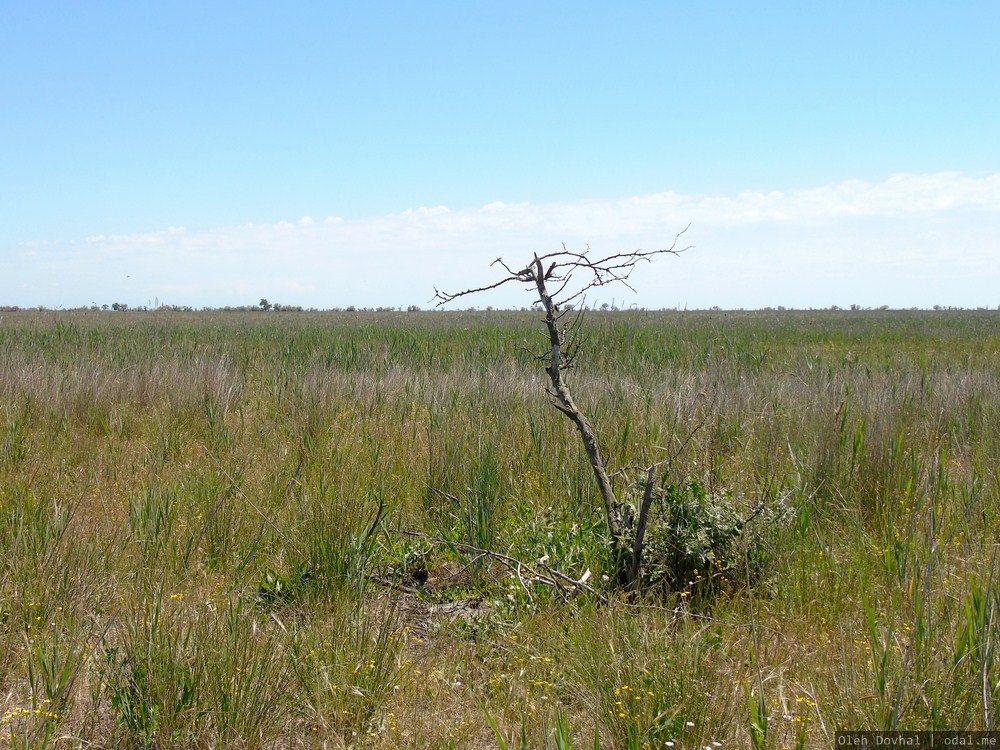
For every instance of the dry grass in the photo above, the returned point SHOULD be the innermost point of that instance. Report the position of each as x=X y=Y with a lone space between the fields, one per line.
x=185 y=502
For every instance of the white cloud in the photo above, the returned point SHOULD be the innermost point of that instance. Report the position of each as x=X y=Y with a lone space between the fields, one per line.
x=912 y=239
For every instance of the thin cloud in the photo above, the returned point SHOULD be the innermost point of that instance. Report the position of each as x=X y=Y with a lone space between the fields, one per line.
x=912 y=239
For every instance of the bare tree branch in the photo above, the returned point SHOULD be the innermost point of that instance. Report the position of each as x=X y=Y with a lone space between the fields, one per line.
x=562 y=266
x=445 y=297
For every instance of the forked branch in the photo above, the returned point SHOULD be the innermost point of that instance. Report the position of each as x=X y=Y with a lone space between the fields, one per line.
x=571 y=274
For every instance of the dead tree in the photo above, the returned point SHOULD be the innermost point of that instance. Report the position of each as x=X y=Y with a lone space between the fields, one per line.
x=562 y=280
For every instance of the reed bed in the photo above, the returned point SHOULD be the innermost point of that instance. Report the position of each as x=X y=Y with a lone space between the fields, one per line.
x=243 y=530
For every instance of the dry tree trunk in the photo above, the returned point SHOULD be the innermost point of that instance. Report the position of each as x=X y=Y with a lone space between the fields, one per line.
x=627 y=537
x=563 y=401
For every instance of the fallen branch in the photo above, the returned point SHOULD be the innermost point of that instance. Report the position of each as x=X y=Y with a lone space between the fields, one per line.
x=537 y=572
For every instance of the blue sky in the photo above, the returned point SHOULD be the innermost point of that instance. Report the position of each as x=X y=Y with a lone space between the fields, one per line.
x=328 y=154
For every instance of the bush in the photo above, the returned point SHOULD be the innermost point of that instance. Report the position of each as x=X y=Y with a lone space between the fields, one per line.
x=700 y=542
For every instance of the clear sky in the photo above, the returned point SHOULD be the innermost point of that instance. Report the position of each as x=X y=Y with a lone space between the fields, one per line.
x=331 y=154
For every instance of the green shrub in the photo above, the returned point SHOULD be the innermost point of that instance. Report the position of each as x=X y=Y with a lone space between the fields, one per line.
x=700 y=542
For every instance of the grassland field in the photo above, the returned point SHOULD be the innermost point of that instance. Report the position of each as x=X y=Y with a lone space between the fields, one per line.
x=192 y=556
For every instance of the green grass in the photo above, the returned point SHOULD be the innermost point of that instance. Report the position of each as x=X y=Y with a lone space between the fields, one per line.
x=191 y=556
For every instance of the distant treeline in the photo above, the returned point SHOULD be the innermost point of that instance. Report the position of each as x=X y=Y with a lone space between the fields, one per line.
x=269 y=307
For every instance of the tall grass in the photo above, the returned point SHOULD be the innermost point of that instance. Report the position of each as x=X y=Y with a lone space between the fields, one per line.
x=191 y=556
